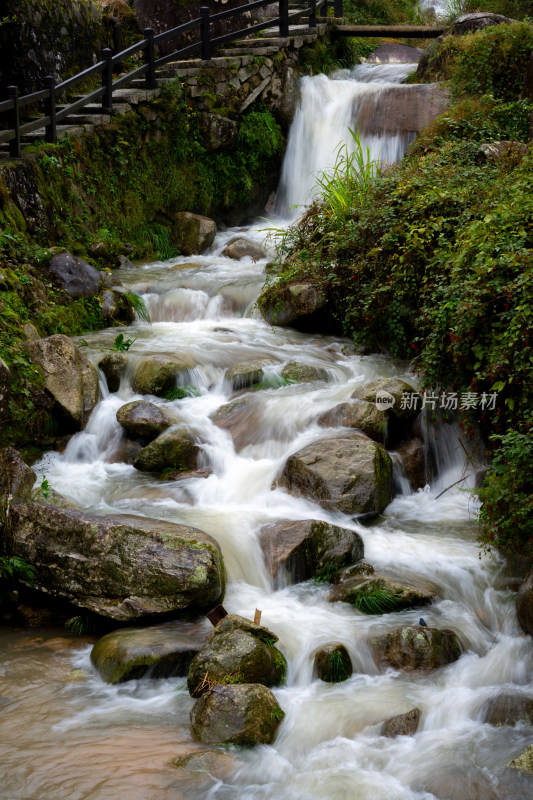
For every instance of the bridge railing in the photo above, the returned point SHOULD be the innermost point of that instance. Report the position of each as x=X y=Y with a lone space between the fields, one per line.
x=111 y=62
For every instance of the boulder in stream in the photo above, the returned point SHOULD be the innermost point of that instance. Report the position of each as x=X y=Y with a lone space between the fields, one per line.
x=16 y=478
x=242 y=714
x=174 y=449
x=113 y=365
x=193 y=233
x=524 y=604
x=415 y=648
x=508 y=708
x=375 y=594
x=158 y=374
x=158 y=651
x=297 y=551
x=243 y=248
x=332 y=663
x=299 y=372
x=361 y=414
x=70 y=379
x=246 y=373
x=236 y=654
x=401 y=725
x=524 y=761
x=349 y=473
x=300 y=304
x=123 y=567
x=144 y=420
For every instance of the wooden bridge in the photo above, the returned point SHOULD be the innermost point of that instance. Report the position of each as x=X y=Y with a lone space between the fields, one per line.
x=116 y=91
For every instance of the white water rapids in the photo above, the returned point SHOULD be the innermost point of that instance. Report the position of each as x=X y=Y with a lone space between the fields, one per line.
x=68 y=736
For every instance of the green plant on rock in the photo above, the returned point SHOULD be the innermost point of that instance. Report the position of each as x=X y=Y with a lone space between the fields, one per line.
x=337 y=671
x=12 y=570
x=122 y=345
x=277 y=715
x=181 y=392
x=377 y=600
x=139 y=305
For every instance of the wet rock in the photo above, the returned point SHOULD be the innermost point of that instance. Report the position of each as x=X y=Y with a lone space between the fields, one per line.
x=523 y=762
x=218 y=133
x=360 y=570
x=403 y=109
x=30 y=332
x=211 y=762
x=415 y=648
x=159 y=651
x=5 y=392
x=524 y=604
x=175 y=449
x=243 y=248
x=245 y=714
x=332 y=663
x=123 y=567
x=470 y=23
x=306 y=548
x=126 y=452
x=387 y=394
x=203 y=472
x=350 y=473
x=236 y=657
x=233 y=622
x=158 y=374
x=192 y=233
x=361 y=591
x=69 y=378
x=401 y=725
x=115 y=307
x=393 y=53
x=508 y=709
x=113 y=365
x=298 y=305
x=362 y=415
x=413 y=458
x=53 y=498
x=144 y=420
x=75 y=276
x=16 y=478
x=303 y=373
x=246 y=373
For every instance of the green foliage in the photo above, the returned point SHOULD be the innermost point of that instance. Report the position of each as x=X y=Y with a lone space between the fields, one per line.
x=515 y=9
x=139 y=305
x=382 y=12
x=45 y=487
x=506 y=515
x=122 y=345
x=12 y=570
x=180 y=392
x=337 y=671
x=376 y=600
x=82 y=624
x=277 y=715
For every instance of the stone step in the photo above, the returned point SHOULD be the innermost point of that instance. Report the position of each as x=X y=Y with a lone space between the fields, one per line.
x=88 y=119
x=93 y=108
x=244 y=51
x=61 y=131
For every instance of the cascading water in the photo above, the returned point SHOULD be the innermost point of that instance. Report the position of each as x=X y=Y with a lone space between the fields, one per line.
x=66 y=734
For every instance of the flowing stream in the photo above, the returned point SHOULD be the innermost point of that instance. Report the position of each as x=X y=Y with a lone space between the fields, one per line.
x=66 y=734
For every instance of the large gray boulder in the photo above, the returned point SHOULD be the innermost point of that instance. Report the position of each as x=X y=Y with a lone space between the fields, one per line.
x=122 y=567
x=175 y=449
x=243 y=248
x=349 y=473
x=192 y=233
x=299 y=372
x=242 y=714
x=361 y=414
x=218 y=133
x=158 y=374
x=16 y=478
x=236 y=656
x=141 y=419
x=470 y=23
x=297 y=551
x=246 y=373
x=524 y=604
x=75 y=276
x=5 y=392
x=298 y=304
x=375 y=594
x=417 y=649
x=159 y=651
x=69 y=378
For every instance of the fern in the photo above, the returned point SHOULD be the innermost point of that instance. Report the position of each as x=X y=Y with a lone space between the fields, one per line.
x=139 y=305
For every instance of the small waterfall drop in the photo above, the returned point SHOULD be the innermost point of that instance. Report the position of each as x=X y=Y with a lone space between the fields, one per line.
x=328 y=108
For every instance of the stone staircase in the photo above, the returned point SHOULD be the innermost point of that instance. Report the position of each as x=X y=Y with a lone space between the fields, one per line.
x=239 y=56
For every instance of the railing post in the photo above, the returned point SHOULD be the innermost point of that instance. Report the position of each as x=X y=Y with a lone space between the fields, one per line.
x=323 y=10
x=312 y=15
x=205 y=30
x=284 y=18
x=107 y=81
x=50 y=109
x=149 y=58
x=117 y=43
x=14 y=121
x=337 y=8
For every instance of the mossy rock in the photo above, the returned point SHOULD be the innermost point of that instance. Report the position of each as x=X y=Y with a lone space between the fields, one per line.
x=113 y=365
x=174 y=449
x=141 y=419
x=192 y=233
x=508 y=708
x=158 y=374
x=523 y=762
x=246 y=714
x=158 y=652
x=415 y=648
x=362 y=590
x=236 y=657
x=362 y=415
x=298 y=372
x=401 y=725
x=246 y=373
x=332 y=663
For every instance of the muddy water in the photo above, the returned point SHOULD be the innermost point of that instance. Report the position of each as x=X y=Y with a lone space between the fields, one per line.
x=66 y=734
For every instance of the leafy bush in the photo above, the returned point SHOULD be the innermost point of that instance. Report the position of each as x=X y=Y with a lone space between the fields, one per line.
x=12 y=570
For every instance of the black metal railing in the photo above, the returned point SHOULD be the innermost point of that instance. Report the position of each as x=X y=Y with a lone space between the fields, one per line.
x=111 y=63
